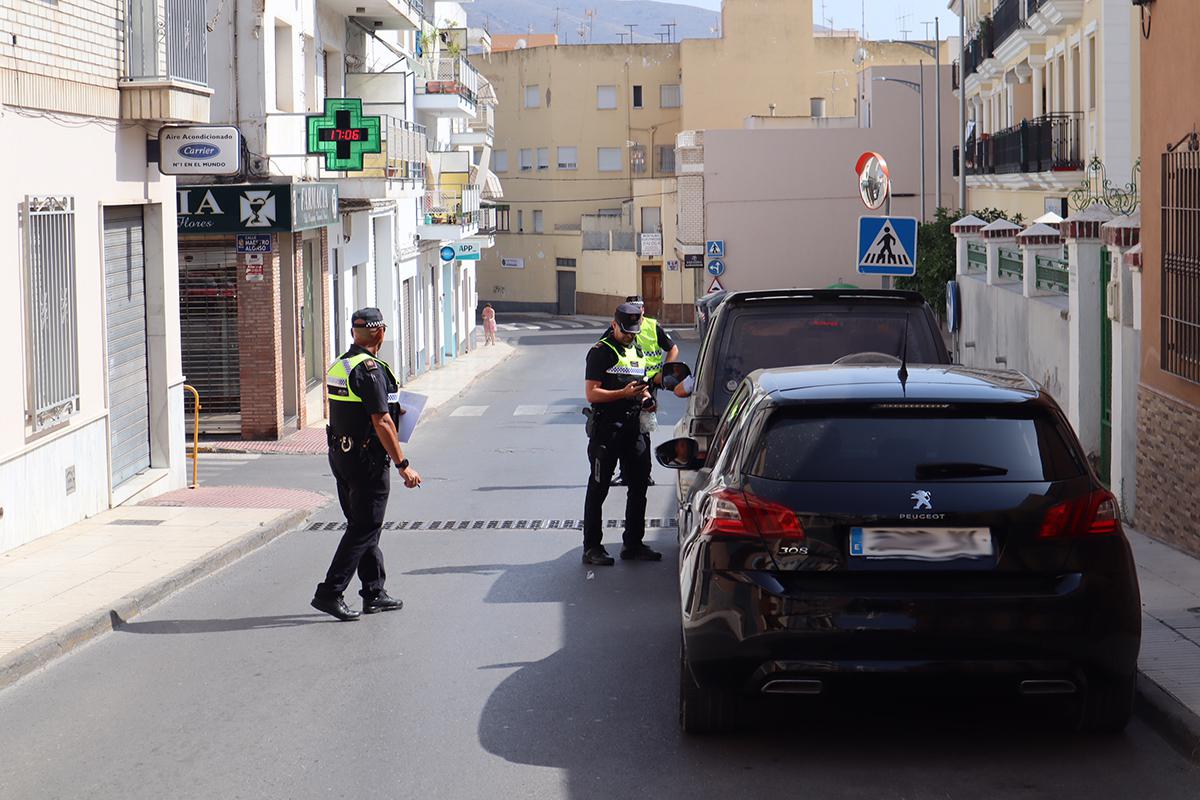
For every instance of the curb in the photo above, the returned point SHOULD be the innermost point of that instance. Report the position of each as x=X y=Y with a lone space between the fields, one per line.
x=68 y=638
x=1173 y=720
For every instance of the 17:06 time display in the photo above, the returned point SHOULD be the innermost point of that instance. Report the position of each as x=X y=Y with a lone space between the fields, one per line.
x=342 y=134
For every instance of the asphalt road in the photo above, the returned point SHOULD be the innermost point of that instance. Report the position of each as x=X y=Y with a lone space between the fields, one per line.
x=511 y=672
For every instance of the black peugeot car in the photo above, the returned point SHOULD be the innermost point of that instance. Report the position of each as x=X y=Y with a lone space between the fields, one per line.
x=865 y=523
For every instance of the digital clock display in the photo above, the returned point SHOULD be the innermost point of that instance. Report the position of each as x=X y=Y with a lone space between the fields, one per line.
x=342 y=134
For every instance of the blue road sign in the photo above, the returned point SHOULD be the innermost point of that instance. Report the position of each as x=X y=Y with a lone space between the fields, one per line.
x=716 y=267
x=887 y=246
x=447 y=253
x=715 y=248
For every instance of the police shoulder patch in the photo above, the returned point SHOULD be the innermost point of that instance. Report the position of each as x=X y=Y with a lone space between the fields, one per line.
x=370 y=364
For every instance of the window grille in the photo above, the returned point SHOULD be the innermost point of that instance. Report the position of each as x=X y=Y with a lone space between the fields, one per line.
x=51 y=324
x=1180 y=313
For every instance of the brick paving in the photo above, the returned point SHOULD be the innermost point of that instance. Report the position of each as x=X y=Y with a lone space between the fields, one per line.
x=241 y=497
x=309 y=441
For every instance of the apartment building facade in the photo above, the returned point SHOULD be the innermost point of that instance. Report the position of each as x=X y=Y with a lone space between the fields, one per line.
x=1052 y=97
x=260 y=327
x=93 y=414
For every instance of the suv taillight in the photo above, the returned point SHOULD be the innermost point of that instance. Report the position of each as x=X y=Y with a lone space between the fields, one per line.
x=732 y=513
x=1091 y=514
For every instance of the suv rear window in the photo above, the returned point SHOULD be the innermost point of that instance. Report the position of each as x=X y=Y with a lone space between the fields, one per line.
x=880 y=447
x=796 y=337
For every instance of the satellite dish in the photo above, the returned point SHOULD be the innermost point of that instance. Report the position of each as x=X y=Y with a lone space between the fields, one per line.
x=874 y=180
x=860 y=55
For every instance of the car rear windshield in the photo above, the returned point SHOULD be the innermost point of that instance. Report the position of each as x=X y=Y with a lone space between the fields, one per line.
x=793 y=337
x=872 y=446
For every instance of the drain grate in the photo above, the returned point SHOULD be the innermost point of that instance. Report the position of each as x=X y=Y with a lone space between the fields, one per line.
x=136 y=522
x=443 y=525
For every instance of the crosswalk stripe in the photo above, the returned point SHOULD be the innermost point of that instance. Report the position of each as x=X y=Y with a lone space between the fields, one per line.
x=553 y=325
x=469 y=411
x=529 y=411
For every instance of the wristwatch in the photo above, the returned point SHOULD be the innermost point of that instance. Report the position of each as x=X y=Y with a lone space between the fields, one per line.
x=402 y=465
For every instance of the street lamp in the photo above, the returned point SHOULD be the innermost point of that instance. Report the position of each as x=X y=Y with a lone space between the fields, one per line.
x=919 y=88
x=935 y=52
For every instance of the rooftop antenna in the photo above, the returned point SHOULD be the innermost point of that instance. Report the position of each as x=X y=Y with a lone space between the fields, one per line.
x=557 y=9
x=671 y=26
x=631 y=26
x=903 y=373
x=903 y=20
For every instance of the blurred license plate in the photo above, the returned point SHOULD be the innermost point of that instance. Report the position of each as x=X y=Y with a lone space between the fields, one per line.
x=921 y=544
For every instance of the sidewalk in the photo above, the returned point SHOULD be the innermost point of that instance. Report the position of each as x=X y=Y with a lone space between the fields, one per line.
x=1169 y=683
x=440 y=385
x=66 y=588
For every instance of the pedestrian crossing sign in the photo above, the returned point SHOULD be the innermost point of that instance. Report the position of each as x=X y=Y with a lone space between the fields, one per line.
x=887 y=246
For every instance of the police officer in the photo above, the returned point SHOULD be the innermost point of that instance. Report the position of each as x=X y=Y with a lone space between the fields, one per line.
x=657 y=348
x=364 y=410
x=615 y=385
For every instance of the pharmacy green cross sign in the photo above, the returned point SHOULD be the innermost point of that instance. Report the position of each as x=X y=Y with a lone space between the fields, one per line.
x=342 y=134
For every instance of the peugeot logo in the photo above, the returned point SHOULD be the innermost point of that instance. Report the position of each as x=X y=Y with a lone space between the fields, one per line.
x=199 y=150
x=924 y=500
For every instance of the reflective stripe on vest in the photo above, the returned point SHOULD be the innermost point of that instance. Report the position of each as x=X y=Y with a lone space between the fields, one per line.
x=627 y=365
x=337 y=379
x=647 y=340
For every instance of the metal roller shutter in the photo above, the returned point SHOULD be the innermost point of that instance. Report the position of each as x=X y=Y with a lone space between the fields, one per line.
x=125 y=311
x=410 y=331
x=208 y=316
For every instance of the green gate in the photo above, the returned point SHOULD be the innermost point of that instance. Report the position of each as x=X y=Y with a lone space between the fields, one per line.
x=1106 y=383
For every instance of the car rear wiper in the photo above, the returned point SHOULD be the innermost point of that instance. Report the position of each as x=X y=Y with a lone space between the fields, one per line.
x=958 y=469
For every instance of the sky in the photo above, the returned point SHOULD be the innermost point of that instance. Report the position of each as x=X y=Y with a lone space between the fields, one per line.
x=882 y=16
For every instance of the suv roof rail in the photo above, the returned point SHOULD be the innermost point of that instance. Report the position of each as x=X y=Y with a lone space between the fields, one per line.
x=826 y=294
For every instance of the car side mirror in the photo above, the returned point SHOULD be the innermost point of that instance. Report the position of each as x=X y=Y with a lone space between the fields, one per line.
x=680 y=454
x=675 y=373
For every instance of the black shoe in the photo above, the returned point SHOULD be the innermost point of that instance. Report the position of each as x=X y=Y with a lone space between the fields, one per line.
x=335 y=607
x=640 y=553
x=381 y=602
x=598 y=556
x=618 y=481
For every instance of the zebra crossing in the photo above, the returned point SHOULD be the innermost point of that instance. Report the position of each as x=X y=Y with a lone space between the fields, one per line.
x=524 y=410
x=548 y=325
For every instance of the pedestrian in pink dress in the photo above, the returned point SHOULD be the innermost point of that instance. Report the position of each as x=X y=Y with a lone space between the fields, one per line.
x=489 y=324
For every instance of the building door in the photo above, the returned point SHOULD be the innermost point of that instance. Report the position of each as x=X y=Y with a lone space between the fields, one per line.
x=310 y=319
x=1106 y=382
x=128 y=363
x=208 y=322
x=566 y=293
x=652 y=290
x=408 y=314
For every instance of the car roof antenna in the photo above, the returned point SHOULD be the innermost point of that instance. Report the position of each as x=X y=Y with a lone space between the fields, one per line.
x=903 y=373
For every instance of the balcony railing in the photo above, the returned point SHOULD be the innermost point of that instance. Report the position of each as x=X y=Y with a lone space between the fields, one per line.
x=1047 y=144
x=1007 y=19
x=451 y=204
x=976 y=257
x=1031 y=7
x=1053 y=275
x=1009 y=264
x=173 y=48
x=453 y=76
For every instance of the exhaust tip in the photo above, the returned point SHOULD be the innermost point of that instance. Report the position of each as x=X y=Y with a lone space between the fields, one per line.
x=792 y=686
x=1037 y=687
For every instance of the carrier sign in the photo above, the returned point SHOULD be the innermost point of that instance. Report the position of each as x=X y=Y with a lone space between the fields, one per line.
x=199 y=150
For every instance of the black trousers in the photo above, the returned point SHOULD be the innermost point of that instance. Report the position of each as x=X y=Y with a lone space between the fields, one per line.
x=613 y=444
x=363 y=486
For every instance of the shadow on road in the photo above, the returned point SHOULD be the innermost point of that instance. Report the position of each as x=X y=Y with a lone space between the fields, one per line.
x=217 y=625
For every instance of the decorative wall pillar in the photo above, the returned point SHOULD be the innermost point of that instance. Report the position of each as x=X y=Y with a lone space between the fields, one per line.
x=1037 y=241
x=965 y=231
x=1082 y=232
x=1120 y=236
x=996 y=234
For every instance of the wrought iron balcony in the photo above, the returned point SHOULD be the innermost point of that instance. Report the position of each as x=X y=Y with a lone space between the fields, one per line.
x=1051 y=143
x=1007 y=18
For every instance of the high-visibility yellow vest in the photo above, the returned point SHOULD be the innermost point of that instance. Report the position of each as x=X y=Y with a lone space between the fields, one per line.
x=629 y=364
x=337 y=378
x=647 y=341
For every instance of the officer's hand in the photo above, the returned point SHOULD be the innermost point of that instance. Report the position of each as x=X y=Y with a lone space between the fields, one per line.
x=633 y=390
x=412 y=479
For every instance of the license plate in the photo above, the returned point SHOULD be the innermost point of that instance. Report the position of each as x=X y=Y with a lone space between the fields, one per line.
x=921 y=544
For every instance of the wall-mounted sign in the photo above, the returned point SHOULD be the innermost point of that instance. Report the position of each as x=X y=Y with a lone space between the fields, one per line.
x=693 y=261
x=447 y=253
x=342 y=134
x=672 y=265
x=199 y=150
x=255 y=207
x=467 y=250
x=254 y=243
x=254 y=272
x=512 y=263
x=652 y=244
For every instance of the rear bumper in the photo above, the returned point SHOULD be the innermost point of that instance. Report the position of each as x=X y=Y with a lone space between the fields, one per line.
x=739 y=635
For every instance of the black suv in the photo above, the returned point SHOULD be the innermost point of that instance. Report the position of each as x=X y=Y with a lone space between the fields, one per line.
x=865 y=524
x=798 y=327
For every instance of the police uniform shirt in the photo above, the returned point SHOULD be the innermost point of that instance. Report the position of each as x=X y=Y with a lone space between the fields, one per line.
x=600 y=359
x=369 y=380
x=665 y=342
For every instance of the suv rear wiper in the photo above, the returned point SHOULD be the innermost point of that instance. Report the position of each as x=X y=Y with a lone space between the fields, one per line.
x=958 y=469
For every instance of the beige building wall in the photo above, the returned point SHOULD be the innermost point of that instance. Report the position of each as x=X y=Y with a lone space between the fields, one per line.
x=768 y=54
x=565 y=81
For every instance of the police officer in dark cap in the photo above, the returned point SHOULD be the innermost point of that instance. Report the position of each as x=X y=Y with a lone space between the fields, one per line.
x=616 y=386
x=364 y=410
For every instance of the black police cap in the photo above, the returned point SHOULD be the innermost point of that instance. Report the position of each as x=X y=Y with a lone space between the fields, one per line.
x=629 y=317
x=367 y=318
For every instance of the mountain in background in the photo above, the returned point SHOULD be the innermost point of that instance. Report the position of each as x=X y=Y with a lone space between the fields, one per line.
x=539 y=16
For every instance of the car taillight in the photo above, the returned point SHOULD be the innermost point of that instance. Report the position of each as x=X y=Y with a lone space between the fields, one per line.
x=1092 y=514
x=733 y=513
